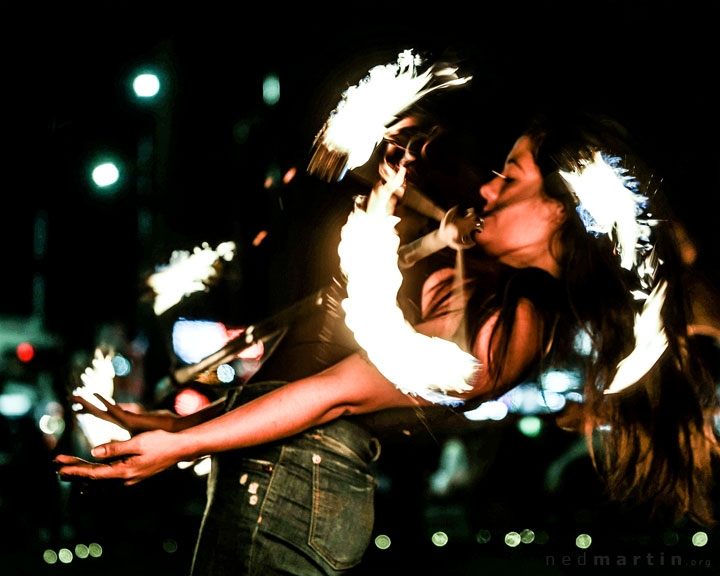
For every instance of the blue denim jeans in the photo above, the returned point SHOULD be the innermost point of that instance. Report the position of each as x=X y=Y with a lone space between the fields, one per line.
x=304 y=506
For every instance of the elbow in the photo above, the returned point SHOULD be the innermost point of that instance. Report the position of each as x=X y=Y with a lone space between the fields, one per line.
x=339 y=411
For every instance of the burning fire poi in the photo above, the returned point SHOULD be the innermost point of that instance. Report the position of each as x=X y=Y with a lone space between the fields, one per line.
x=98 y=378
x=429 y=367
x=609 y=203
x=358 y=124
x=186 y=273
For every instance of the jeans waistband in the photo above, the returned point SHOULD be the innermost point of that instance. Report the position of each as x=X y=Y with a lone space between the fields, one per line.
x=352 y=435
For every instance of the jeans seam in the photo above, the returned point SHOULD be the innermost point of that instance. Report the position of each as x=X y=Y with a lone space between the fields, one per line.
x=314 y=545
x=261 y=510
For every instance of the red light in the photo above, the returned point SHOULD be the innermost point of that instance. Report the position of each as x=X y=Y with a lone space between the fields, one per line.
x=189 y=401
x=25 y=352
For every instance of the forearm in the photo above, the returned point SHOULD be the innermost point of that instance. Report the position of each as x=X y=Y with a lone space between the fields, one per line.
x=211 y=411
x=166 y=420
x=352 y=387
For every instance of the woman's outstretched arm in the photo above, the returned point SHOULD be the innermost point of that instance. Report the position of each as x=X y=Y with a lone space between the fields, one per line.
x=353 y=386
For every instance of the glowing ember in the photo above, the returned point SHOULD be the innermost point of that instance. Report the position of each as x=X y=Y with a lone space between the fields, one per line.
x=416 y=364
x=358 y=124
x=650 y=343
x=98 y=379
x=187 y=273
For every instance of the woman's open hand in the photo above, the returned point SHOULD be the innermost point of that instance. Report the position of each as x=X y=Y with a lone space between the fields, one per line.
x=132 y=461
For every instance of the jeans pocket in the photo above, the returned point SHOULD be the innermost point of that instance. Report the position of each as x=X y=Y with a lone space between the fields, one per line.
x=342 y=512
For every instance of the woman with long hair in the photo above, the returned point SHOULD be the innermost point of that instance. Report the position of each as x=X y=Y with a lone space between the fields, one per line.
x=552 y=259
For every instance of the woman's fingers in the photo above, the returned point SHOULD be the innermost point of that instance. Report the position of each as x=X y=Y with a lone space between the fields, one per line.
x=66 y=459
x=111 y=412
x=114 y=449
x=89 y=408
x=104 y=401
x=130 y=461
x=73 y=468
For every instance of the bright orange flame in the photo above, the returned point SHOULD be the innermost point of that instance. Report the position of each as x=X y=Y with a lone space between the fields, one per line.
x=413 y=362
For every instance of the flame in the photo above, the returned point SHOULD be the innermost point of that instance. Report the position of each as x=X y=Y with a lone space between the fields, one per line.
x=358 y=123
x=186 y=273
x=610 y=205
x=416 y=364
x=98 y=378
x=650 y=343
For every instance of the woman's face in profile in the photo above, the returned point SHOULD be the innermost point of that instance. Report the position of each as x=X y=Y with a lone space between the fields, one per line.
x=520 y=219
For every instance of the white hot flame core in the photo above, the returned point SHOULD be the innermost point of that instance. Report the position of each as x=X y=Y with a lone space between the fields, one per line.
x=650 y=343
x=186 y=273
x=359 y=122
x=98 y=379
x=416 y=364
x=613 y=205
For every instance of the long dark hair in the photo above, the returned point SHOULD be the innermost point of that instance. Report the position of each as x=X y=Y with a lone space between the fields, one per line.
x=655 y=442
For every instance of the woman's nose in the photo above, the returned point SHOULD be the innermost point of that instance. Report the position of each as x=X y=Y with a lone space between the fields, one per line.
x=490 y=191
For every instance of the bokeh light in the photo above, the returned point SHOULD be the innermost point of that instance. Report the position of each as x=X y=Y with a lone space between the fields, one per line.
x=25 y=352
x=512 y=539
x=439 y=539
x=146 y=85
x=189 y=401
x=583 y=541
x=105 y=174
x=699 y=539
x=530 y=426
x=271 y=89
